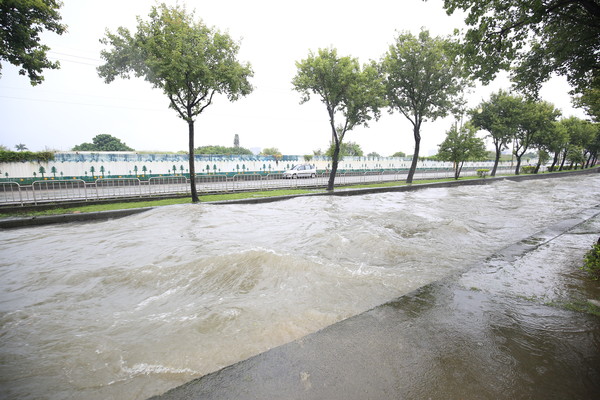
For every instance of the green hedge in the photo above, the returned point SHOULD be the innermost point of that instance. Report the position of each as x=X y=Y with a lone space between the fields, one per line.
x=528 y=169
x=23 y=156
x=591 y=261
x=482 y=173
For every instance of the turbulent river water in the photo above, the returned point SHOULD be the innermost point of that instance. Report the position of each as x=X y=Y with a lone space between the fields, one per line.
x=129 y=308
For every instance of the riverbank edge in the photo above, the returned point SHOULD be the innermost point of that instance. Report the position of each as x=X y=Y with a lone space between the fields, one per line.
x=336 y=354
x=22 y=222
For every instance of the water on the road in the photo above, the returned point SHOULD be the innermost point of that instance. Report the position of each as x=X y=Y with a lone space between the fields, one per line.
x=129 y=308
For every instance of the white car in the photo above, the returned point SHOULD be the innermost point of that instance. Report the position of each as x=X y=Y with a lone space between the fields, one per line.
x=301 y=171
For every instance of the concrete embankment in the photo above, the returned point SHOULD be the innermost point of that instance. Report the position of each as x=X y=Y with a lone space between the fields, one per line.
x=503 y=329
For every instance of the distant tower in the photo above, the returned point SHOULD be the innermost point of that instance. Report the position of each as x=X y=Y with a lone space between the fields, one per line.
x=236 y=141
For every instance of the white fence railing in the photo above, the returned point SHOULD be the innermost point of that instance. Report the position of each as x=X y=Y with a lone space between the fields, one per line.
x=11 y=193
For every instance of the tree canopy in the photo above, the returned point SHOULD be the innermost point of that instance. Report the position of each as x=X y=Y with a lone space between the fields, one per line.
x=21 y=23
x=533 y=40
x=424 y=80
x=536 y=122
x=352 y=95
x=271 y=151
x=461 y=144
x=187 y=60
x=103 y=142
x=499 y=116
x=350 y=149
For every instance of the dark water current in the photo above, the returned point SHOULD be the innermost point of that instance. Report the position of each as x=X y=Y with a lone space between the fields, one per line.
x=129 y=308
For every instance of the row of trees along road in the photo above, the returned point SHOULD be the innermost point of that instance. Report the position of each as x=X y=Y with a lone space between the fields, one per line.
x=528 y=124
x=420 y=77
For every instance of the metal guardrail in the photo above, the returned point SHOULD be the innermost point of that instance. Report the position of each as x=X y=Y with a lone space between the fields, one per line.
x=46 y=191
x=10 y=192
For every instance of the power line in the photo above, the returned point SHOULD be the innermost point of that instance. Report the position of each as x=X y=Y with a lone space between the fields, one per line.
x=74 y=56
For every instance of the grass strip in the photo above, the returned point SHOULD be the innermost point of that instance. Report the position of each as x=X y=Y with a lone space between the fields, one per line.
x=155 y=203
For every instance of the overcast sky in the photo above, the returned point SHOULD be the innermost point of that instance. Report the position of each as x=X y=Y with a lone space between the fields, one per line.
x=73 y=104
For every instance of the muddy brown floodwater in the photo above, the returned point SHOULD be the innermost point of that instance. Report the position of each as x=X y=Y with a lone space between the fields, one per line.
x=130 y=308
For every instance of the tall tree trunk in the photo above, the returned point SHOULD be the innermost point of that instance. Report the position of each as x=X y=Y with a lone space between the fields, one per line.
x=413 y=165
x=587 y=163
x=336 y=141
x=555 y=160
x=564 y=158
x=194 y=192
x=538 y=165
x=334 y=166
x=518 y=169
x=458 y=169
x=496 y=161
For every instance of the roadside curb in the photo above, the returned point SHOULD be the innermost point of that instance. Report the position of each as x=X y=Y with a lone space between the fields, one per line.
x=65 y=218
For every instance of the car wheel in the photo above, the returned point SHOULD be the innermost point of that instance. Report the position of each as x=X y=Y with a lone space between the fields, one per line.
x=294 y=176
x=313 y=175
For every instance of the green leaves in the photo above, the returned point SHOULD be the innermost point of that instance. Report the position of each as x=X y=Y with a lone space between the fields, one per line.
x=461 y=145
x=21 y=22
x=342 y=85
x=349 y=92
x=424 y=76
x=189 y=61
x=532 y=39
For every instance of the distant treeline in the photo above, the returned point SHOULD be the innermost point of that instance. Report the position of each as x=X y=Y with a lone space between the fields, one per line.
x=223 y=150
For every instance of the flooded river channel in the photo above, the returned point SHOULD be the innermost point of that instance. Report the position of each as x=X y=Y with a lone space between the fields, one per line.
x=128 y=308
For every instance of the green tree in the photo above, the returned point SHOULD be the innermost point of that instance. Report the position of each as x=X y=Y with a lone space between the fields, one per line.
x=559 y=141
x=42 y=171
x=189 y=61
x=399 y=154
x=350 y=149
x=53 y=171
x=21 y=23
x=102 y=170
x=537 y=118
x=532 y=39
x=543 y=158
x=460 y=145
x=582 y=139
x=589 y=100
x=575 y=156
x=352 y=95
x=374 y=154
x=499 y=116
x=424 y=81
x=20 y=147
x=271 y=151
x=92 y=170
x=103 y=142
x=594 y=147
